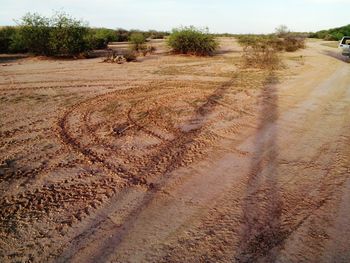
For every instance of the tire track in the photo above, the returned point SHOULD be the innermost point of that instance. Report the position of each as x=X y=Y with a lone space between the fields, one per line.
x=171 y=155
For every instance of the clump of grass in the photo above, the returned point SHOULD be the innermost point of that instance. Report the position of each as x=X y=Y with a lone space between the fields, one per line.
x=193 y=41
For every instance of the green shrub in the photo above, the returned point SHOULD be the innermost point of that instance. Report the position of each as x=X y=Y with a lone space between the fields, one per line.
x=60 y=35
x=137 y=41
x=190 y=40
x=67 y=36
x=17 y=44
x=122 y=35
x=6 y=36
x=332 y=34
x=153 y=34
x=100 y=37
x=11 y=41
x=321 y=34
x=35 y=33
x=335 y=36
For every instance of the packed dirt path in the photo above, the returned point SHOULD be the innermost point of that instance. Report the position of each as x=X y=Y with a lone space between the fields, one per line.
x=176 y=159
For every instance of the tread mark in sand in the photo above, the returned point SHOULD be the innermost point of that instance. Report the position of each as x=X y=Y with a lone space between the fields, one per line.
x=174 y=151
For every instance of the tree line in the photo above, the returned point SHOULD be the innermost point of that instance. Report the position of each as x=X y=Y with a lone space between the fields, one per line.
x=62 y=35
x=333 y=34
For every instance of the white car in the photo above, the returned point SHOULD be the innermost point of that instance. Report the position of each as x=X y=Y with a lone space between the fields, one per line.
x=345 y=45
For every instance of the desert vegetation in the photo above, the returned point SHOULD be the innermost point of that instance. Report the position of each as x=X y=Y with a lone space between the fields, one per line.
x=138 y=42
x=63 y=35
x=262 y=51
x=111 y=163
x=100 y=37
x=193 y=41
x=79 y=138
x=334 y=34
x=293 y=42
x=7 y=34
x=60 y=35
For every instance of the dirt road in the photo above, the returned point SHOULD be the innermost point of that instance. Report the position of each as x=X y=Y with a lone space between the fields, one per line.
x=176 y=159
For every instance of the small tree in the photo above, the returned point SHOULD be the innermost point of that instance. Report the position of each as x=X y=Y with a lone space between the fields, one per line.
x=6 y=36
x=17 y=44
x=282 y=31
x=35 y=33
x=59 y=36
x=190 y=40
x=67 y=36
x=137 y=41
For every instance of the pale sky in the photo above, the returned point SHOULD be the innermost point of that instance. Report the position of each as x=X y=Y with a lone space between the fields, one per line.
x=235 y=16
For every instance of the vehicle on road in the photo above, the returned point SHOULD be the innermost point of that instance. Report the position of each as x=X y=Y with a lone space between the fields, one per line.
x=345 y=45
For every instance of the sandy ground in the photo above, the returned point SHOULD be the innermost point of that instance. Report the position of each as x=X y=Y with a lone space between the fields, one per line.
x=175 y=159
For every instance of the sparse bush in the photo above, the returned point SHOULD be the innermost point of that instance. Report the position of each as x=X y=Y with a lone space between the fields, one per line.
x=151 y=49
x=129 y=56
x=282 y=31
x=144 y=51
x=260 y=51
x=292 y=44
x=137 y=41
x=190 y=40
